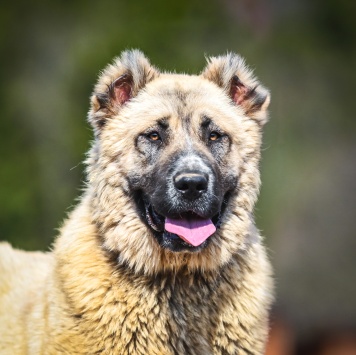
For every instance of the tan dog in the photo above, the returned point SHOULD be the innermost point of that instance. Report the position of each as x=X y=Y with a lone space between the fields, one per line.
x=161 y=256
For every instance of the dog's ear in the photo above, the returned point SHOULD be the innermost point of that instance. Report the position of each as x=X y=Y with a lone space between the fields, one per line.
x=117 y=84
x=236 y=79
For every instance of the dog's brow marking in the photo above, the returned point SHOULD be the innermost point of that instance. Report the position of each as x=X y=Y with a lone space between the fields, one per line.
x=205 y=121
x=163 y=123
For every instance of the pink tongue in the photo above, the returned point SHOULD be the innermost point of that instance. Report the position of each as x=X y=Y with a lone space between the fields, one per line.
x=193 y=231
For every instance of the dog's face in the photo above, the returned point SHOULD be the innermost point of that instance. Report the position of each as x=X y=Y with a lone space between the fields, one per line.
x=186 y=172
x=174 y=168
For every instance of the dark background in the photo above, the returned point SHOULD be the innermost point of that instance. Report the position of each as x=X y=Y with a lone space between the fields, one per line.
x=305 y=51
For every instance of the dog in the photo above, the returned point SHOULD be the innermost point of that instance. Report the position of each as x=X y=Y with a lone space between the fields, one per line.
x=161 y=255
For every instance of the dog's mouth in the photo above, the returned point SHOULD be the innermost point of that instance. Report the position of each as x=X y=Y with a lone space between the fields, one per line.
x=187 y=231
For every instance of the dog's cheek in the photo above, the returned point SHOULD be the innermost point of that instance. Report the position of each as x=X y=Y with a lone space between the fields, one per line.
x=220 y=150
x=230 y=182
x=140 y=165
x=140 y=179
x=134 y=181
x=149 y=152
x=143 y=176
x=225 y=175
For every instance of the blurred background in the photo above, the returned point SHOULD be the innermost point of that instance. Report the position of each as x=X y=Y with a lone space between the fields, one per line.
x=305 y=51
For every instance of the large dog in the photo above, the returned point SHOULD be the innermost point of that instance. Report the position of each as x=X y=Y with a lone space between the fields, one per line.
x=161 y=256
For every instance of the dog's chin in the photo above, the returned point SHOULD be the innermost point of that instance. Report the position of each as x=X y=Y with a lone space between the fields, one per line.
x=168 y=240
x=174 y=243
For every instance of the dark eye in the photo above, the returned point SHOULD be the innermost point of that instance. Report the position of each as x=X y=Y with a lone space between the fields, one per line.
x=154 y=136
x=213 y=136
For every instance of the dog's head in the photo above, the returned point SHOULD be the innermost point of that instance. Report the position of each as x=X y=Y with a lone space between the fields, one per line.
x=173 y=171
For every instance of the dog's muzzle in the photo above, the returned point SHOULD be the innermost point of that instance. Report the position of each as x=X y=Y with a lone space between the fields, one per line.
x=184 y=206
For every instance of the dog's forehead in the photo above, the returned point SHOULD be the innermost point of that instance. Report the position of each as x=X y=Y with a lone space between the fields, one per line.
x=181 y=96
x=183 y=87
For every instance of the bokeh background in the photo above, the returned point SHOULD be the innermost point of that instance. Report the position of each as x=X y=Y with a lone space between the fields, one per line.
x=305 y=51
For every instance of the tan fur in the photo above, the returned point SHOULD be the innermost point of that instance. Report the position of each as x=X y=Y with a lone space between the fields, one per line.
x=108 y=287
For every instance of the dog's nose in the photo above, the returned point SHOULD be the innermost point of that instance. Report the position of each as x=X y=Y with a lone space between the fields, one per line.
x=191 y=185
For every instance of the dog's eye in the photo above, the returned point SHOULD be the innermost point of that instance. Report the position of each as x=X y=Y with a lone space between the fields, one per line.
x=213 y=136
x=154 y=136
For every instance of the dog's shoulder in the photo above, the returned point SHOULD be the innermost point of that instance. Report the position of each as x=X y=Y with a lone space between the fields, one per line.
x=24 y=277
x=20 y=268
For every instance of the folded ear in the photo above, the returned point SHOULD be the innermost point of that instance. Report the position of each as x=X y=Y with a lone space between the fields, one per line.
x=117 y=84
x=232 y=75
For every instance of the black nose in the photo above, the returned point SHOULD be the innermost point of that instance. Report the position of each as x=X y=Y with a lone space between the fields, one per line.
x=191 y=185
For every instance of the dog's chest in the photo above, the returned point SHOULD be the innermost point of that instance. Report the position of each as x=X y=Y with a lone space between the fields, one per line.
x=170 y=316
x=162 y=316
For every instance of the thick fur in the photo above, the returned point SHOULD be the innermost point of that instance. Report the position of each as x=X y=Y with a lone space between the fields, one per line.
x=109 y=286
